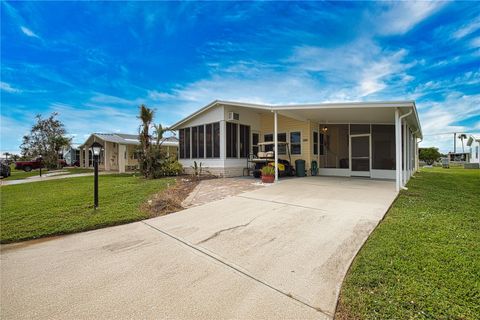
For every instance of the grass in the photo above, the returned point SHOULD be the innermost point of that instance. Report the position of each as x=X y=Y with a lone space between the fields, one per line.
x=423 y=260
x=46 y=208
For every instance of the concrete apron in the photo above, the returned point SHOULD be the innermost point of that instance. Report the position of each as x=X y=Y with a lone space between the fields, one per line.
x=278 y=252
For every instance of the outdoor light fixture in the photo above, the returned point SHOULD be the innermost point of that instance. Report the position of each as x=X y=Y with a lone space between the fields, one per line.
x=325 y=129
x=96 y=148
x=40 y=158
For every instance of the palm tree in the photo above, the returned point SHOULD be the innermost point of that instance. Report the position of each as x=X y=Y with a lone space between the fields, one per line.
x=6 y=154
x=461 y=137
x=146 y=116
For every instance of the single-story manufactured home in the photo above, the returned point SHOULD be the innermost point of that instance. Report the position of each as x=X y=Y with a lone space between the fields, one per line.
x=367 y=139
x=474 y=143
x=119 y=151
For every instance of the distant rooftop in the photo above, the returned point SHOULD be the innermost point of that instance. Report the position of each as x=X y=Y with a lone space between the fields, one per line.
x=132 y=139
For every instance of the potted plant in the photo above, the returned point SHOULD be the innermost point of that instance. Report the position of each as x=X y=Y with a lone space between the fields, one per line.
x=268 y=174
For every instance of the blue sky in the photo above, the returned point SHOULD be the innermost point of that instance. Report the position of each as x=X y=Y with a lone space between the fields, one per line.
x=95 y=62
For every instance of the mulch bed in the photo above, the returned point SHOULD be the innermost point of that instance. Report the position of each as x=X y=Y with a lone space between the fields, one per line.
x=170 y=200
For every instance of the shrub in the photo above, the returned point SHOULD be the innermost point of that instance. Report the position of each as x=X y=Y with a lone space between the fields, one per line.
x=268 y=171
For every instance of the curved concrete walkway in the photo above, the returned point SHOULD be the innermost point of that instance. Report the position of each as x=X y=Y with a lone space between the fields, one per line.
x=274 y=253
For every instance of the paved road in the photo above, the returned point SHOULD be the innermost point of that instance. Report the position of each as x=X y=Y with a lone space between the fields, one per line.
x=273 y=253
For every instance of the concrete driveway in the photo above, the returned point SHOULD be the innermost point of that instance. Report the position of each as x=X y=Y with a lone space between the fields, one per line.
x=279 y=252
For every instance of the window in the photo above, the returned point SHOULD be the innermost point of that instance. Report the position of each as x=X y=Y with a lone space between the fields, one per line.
x=201 y=141
x=282 y=149
x=212 y=140
x=383 y=147
x=195 y=142
x=476 y=152
x=255 y=138
x=244 y=141
x=268 y=138
x=187 y=143
x=232 y=145
x=216 y=140
x=181 y=134
x=315 y=142
x=295 y=143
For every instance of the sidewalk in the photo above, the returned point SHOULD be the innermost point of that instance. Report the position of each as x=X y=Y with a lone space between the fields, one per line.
x=50 y=176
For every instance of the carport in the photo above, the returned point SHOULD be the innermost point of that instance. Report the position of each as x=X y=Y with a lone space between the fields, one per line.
x=402 y=115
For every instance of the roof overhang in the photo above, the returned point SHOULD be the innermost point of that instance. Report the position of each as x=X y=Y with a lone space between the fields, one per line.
x=381 y=112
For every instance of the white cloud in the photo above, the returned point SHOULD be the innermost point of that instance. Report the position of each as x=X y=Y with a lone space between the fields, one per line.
x=8 y=88
x=467 y=29
x=28 y=32
x=401 y=16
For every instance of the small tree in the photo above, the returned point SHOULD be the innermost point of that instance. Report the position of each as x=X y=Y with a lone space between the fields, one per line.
x=429 y=155
x=154 y=162
x=47 y=137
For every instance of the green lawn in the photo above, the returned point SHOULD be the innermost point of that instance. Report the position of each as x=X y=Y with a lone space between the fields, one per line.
x=39 y=209
x=423 y=260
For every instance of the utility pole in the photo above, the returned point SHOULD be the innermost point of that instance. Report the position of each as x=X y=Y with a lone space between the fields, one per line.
x=454 y=142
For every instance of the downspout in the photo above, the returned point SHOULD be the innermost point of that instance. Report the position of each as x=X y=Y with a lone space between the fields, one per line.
x=417 y=155
x=401 y=175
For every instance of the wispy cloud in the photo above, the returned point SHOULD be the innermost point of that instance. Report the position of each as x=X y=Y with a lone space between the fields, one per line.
x=8 y=88
x=401 y=16
x=28 y=32
x=467 y=29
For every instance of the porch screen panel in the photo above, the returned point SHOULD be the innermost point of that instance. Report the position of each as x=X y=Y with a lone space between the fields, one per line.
x=201 y=142
x=383 y=147
x=216 y=140
x=244 y=141
x=195 y=142
x=187 y=143
x=232 y=145
x=209 y=140
x=335 y=143
x=268 y=138
x=181 y=134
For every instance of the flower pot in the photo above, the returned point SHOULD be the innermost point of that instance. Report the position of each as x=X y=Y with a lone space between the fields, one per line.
x=268 y=179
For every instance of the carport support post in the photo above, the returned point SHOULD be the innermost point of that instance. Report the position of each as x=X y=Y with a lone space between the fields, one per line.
x=275 y=139
x=398 y=149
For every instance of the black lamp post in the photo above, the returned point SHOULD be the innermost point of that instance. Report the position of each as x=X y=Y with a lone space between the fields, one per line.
x=96 y=148
x=40 y=158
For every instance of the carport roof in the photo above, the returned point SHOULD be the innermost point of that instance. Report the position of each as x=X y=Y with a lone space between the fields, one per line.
x=330 y=112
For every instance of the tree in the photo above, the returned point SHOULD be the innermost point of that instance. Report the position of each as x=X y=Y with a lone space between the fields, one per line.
x=462 y=137
x=146 y=162
x=154 y=162
x=47 y=137
x=429 y=155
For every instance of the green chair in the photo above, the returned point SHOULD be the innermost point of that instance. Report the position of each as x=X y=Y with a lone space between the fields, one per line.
x=314 y=168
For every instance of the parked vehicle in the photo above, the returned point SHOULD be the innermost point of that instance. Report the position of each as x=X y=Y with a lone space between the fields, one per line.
x=4 y=170
x=34 y=164
x=267 y=158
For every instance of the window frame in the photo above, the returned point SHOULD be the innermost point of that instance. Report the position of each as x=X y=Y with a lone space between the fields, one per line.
x=296 y=144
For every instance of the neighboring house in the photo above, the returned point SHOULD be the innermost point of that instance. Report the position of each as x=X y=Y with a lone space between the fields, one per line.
x=71 y=155
x=459 y=156
x=474 y=143
x=346 y=139
x=119 y=151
